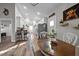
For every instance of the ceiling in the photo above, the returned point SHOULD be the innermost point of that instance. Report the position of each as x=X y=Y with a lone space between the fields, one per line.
x=35 y=11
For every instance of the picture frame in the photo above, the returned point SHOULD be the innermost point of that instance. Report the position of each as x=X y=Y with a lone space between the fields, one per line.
x=71 y=13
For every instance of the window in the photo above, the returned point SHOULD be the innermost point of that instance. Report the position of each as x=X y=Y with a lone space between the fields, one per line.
x=51 y=23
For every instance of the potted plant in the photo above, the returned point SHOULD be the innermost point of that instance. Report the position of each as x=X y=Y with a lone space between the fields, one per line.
x=52 y=38
x=52 y=33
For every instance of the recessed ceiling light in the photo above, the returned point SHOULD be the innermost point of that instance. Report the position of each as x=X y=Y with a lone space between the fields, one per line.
x=34 y=22
x=27 y=20
x=38 y=13
x=25 y=7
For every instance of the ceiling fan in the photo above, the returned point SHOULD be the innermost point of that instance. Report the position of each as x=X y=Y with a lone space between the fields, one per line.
x=34 y=4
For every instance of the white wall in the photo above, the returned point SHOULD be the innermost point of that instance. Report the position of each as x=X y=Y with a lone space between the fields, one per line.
x=59 y=15
x=17 y=18
x=50 y=19
x=10 y=17
x=7 y=19
x=10 y=7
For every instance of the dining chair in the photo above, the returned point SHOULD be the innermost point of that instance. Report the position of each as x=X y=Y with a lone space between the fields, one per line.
x=43 y=34
x=70 y=38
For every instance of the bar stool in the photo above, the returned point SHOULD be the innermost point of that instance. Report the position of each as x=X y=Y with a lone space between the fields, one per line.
x=25 y=34
x=19 y=35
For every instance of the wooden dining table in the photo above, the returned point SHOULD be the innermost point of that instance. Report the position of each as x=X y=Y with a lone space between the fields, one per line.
x=61 y=48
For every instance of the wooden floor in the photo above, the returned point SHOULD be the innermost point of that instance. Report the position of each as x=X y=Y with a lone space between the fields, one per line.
x=7 y=48
x=36 y=47
x=20 y=48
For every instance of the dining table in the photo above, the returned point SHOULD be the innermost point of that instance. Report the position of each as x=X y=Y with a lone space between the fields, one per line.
x=61 y=48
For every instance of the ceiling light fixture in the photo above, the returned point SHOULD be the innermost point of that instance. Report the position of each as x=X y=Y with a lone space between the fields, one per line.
x=27 y=20
x=25 y=7
x=38 y=13
x=34 y=22
x=34 y=4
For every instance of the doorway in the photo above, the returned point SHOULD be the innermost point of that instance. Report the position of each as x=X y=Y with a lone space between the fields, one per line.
x=5 y=34
x=5 y=31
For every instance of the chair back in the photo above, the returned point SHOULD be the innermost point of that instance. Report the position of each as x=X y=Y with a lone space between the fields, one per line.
x=18 y=32
x=43 y=35
x=70 y=38
x=25 y=32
